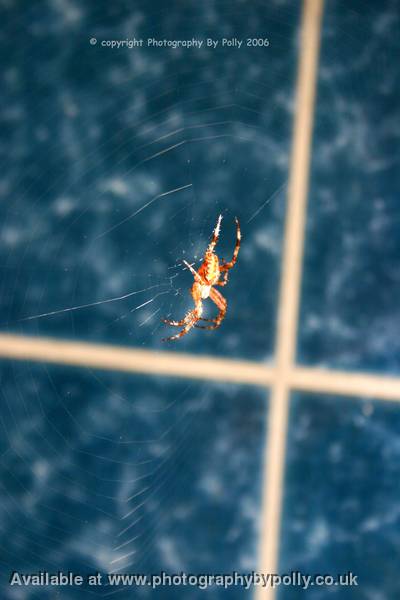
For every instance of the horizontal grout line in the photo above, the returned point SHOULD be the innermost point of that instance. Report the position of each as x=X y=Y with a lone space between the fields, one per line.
x=133 y=360
x=329 y=381
x=177 y=364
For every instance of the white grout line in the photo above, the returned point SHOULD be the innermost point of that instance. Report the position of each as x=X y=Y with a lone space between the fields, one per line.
x=208 y=368
x=360 y=385
x=289 y=294
x=132 y=360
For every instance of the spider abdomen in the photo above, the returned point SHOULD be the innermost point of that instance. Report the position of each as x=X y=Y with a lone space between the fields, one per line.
x=210 y=269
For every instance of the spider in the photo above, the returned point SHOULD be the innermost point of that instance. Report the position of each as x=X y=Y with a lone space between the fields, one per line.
x=208 y=275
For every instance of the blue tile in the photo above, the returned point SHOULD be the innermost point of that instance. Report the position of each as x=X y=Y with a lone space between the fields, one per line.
x=341 y=509
x=350 y=314
x=100 y=466
x=90 y=139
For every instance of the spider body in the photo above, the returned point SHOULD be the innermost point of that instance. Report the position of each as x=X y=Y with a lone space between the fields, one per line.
x=209 y=273
x=212 y=272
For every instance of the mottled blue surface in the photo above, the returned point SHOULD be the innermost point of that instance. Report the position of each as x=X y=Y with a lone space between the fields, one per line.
x=90 y=135
x=350 y=304
x=81 y=450
x=341 y=510
x=163 y=474
x=93 y=141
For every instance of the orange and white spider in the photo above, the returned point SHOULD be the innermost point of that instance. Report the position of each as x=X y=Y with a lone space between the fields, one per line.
x=208 y=275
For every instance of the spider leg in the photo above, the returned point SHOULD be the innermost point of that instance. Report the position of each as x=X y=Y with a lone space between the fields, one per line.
x=228 y=265
x=225 y=276
x=192 y=320
x=215 y=236
x=196 y=295
x=217 y=323
x=222 y=304
x=175 y=323
x=191 y=317
x=195 y=274
x=208 y=320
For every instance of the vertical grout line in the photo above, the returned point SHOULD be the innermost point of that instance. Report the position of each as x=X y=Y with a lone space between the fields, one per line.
x=289 y=293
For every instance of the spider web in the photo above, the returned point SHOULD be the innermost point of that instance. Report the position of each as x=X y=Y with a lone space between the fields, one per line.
x=141 y=176
x=119 y=163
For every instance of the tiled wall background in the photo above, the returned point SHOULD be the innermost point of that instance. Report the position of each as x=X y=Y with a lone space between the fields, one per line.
x=103 y=470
